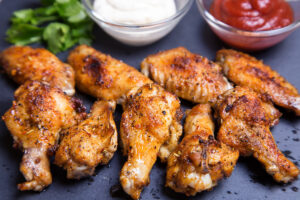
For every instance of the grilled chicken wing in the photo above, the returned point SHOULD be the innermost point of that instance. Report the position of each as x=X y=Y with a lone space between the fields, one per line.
x=199 y=161
x=245 y=121
x=245 y=70
x=102 y=76
x=25 y=63
x=90 y=143
x=35 y=119
x=189 y=76
x=151 y=117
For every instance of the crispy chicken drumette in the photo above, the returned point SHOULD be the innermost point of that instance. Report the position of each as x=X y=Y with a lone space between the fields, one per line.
x=91 y=142
x=35 y=119
x=151 y=120
x=102 y=76
x=245 y=122
x=25 y=63
x=199 y=161
x=245 y=70
x=189 y=76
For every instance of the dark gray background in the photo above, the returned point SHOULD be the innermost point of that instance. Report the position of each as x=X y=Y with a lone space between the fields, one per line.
x=248 y=181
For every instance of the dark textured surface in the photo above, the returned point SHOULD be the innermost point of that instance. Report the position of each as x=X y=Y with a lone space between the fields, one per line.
x=248 y=181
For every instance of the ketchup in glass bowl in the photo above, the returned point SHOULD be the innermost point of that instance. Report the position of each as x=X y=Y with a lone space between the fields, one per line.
x=251 y=24
x=253 y=15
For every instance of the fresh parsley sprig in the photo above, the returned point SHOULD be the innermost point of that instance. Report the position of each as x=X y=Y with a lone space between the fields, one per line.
x=59 y=23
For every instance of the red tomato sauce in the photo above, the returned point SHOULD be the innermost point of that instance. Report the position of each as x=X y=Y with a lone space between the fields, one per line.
x=253 y=15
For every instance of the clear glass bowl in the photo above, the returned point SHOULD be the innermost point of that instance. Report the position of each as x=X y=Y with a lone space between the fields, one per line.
x=248 y=40
x=138 y=35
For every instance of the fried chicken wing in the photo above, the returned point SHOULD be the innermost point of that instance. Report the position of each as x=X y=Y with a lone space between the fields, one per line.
x=90 y=143
x=245 y=70
x=102 y=76
x=25 y=63
x=245 y=125
x=151 y=117
x=199 y=161
x=35 y=119
x=189 y=76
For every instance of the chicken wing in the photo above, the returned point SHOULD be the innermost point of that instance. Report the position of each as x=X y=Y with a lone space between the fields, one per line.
x=35 y=119
x=189 y=76
x=245 y=125
x=245 y=70
x=90 y=143
x=151 y=117
x=25 y=63
x=199 y=161
x=102 y=76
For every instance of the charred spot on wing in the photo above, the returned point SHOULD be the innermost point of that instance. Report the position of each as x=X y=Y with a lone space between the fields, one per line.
x=95 y=68
x=258 y=72
x=228 y=108
x=78 y=105
x=93 y=65
x=263 y=75
x=181 y=62
x=179 y=114
x=198 y=59
x=52 y=150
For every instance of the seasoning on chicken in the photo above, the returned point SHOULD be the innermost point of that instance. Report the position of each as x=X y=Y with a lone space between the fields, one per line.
x=199 y=161
x=245 y=125
x=245 y=70
x=23 y=63
x=102 y=76
x=189 y=76
x=151 y=118
x=91 y=142
x=35 y=119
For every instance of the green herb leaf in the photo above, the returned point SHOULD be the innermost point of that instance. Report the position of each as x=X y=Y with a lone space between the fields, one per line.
x=79 y=17
x=46 y=11
x=63 y=1
x=68 y=8
x=82 y=29
x=56 y=35
x=43 y=19
x=22 y=16
x=23 y=34
x=68 y=25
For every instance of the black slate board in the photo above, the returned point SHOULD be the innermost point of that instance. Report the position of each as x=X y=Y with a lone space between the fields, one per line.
x=248 y=181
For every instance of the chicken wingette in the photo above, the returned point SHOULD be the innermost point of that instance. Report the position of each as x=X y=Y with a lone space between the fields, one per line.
x=245 y=121
x=90 y=143
x=199 y=161
x=151 y=118
x=102 y=76
x=245 y=70
x=35 y=119
x=189 y=76
x=23 y=63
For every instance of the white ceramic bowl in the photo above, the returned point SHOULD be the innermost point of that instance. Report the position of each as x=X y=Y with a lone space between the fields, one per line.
x=142 y=34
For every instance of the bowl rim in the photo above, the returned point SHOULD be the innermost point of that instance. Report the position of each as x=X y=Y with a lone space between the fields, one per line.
x=209 y=17
x=90 y=11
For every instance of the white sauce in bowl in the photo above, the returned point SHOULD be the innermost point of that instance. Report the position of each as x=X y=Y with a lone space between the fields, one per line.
x=134 y=12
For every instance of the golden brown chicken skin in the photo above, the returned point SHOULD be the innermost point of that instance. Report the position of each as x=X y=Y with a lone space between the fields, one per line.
x=25 y=63
x=189 y=76
x=102 y=76
x=199 y=161
x=245 y=125
x=244 y=70
x=151 y=117
x=35 y=119
x=90 y=143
